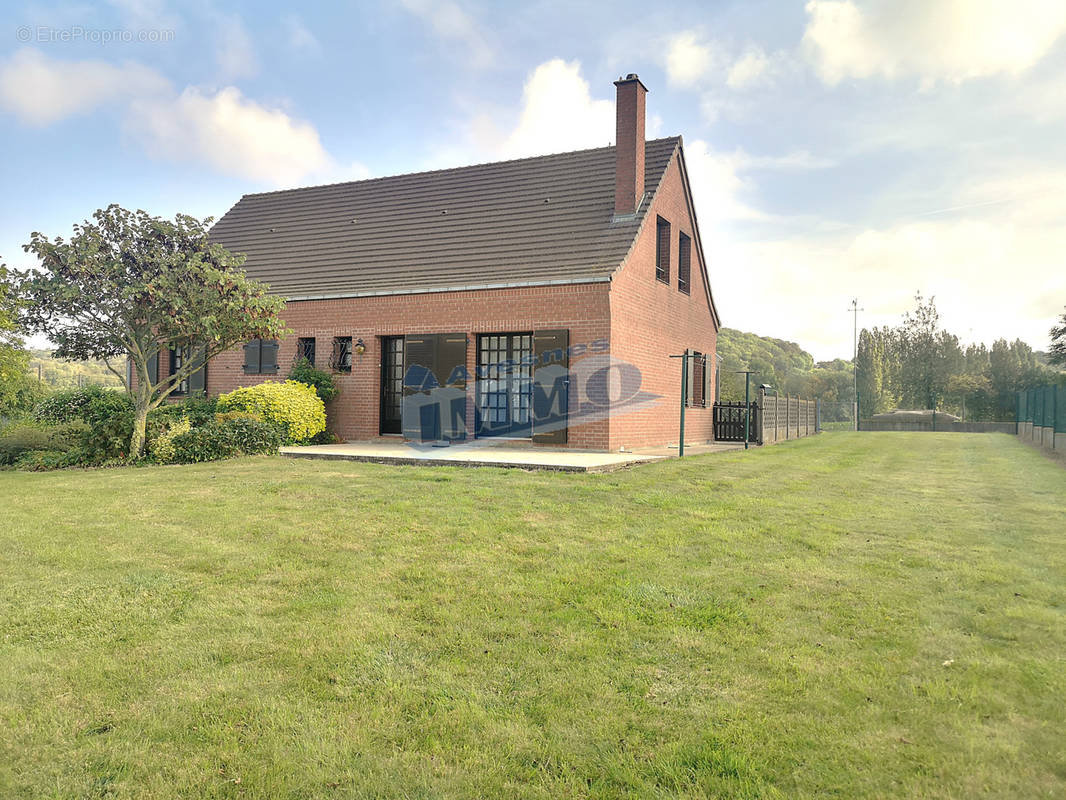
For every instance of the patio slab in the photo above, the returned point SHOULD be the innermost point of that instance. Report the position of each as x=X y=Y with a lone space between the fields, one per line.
x=476 y=454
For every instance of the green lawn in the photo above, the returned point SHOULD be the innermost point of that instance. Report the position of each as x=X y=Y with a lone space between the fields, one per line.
x=852 y=615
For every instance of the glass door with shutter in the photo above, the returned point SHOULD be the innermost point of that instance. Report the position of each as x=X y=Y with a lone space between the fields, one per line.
x=505 y=385
x=391 y=385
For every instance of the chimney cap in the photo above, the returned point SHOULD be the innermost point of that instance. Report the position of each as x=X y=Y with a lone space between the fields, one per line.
x=631 y=78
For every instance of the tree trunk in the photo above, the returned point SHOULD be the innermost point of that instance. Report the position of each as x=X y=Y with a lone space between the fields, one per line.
x=140 y=420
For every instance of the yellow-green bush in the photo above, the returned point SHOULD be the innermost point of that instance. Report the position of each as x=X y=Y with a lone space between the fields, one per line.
x=294 y=407
x=162 y=448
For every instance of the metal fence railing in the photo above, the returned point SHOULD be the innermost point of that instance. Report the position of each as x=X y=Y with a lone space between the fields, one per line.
x=1042 y=416
x=1044 y=407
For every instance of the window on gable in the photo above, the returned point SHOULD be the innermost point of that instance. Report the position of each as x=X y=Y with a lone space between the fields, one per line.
x=261 y=357
x=662 y=250
x=305 y=348
x=684 y=263
x=699 y=381
x=341 y=358
x=698 y=388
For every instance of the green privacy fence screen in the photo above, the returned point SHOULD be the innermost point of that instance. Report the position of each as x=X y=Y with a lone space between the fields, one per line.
x=1044 y=407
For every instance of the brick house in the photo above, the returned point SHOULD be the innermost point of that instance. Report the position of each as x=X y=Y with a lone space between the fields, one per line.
x=539 y=298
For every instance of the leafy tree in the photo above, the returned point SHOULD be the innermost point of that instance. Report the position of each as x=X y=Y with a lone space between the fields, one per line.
x=17 y=392
x=1057 y=351
x=974 y=392
x=929 y=355
x=130 y=284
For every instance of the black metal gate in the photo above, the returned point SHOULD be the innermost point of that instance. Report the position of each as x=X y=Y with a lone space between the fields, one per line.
x=729 y=422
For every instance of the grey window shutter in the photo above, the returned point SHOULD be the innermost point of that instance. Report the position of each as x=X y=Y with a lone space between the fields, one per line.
x=707 y=367
x=153 y=369
x=690 y=379
x=198 y=380
x=268 y=357
x=251 y=357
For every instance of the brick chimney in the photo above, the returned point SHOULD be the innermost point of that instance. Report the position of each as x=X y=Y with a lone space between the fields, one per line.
x=629 y=145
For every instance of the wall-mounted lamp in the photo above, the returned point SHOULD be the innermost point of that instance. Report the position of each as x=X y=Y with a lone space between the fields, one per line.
x=360 y=347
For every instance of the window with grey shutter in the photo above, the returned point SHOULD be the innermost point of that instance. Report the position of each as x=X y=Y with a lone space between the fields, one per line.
x=268 y=357
x=699 y=380
x=198 y=379
x=662 y=250
x=251 y=357
x=261 y=357
x=684 y=263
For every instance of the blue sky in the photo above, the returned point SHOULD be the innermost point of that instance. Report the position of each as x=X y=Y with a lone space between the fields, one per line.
x=874 y=148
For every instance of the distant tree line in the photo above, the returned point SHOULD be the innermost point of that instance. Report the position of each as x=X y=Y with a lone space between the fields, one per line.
x=919 y=365
x=60 y=374
x=787 y=368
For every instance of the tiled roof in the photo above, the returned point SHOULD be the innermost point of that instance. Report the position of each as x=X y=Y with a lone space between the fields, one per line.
x=548 y=219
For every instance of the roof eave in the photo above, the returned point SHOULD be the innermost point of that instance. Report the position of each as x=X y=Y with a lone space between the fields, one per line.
x=444 y=289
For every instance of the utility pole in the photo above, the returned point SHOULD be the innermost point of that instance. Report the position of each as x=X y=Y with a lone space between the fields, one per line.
x=747 y=373
x=854 y=311
x=684 y=400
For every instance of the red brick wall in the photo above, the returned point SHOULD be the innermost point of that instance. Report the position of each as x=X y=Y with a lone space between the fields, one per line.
x=581 y=308
x=651 y=320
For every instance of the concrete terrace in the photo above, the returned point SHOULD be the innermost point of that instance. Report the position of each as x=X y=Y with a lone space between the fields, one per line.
x=516 y=455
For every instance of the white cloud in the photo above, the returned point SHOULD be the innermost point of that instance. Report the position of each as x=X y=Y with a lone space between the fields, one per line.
x=750 y=69
x=40 y=90
x=233 y=134
x=949 y=40
x=559 y=114
x=718 y=187
x=991 y=258
x=688 y=60
x=452 y=24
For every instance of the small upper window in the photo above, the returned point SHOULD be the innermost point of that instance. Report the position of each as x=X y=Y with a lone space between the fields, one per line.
x=662 y=250
x=684 y=263
x=305 y=348
x=261 y=357
x=341 y=358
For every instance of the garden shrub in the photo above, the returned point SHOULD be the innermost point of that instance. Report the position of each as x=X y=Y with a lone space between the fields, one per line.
x=161 y=447
x=199 y=410
x=224 y=439
x=325 y=437
x=303 y=371
x=65 y=405
x=25 y=437
x=45 y=460
x=108 y=413
x=293 y=406
x=22 y=438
